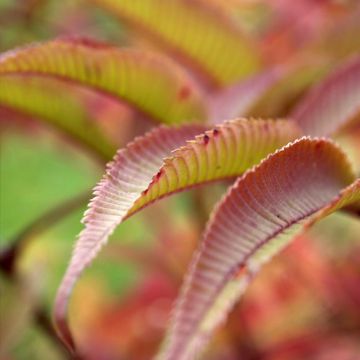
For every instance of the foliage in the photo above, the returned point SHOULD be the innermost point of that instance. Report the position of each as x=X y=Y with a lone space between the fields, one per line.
x=190 y=103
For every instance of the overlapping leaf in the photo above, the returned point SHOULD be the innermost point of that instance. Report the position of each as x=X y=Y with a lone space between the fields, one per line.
x=196 y=32
x=250 y=225
x=148 y=82
x=139 y=175
x=53 y=103
x=332 y=103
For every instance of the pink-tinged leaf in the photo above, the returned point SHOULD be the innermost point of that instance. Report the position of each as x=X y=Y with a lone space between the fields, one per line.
x=139 y=175
x=286 y=92
x=332 y=103
x=237 y=99
x=255 y=219
x=203 y=36
x=148 y=82
x=339 y=42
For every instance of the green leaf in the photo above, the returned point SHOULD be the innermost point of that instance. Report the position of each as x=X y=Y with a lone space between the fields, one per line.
x=138 y=176
x=254 y=221
x=148 y=82
x=54 y=103
x=197 y=33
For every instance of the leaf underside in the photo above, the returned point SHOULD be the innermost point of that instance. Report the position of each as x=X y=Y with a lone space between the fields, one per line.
x=203 y=36
x=54 y=103
x=148 y=82
x=332 y=103
x=139 y=175
x=251 y=224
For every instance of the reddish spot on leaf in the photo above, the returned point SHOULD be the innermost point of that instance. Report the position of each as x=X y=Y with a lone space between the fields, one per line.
x=95 y=44
x=184 y=93
x=241 y=271
x=215 y=132
x=158 y=175
x=318 y=145
x=206 y=139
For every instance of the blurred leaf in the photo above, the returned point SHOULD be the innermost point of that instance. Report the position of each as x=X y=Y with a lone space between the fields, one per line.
x=332 y=103
x=54 y=103
x=249 y=226
x=284 y=93
x=147 y=82
x=197 y=33
x=238 y=99
x=341 y=40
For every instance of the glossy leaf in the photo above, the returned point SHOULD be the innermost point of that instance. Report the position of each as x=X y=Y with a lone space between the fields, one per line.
x=53 y=103
x=138 y=176
x=146 y=81
x=251 y=224
x=332 y=103
x=200 y=34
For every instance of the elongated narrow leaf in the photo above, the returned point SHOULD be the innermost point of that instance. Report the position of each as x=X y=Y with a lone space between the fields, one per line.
x=331 y=104
x=201 y=35
x=237 y=99
x=53 y=103
x=139 y=175
x=280 y=98
x=250 y=225
x=148 y=82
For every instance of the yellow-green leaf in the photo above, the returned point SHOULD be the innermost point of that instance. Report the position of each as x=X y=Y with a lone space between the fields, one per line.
x=55 y=104
x=196 y=32
x=148 y=82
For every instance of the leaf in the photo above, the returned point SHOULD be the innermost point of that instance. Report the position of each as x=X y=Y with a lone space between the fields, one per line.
x=281 y=97
x=138 y=176
x=199 y=34
x=148 y=82
x=250 y=224
x=53 y=103
x=332 y=103
x=238 y=99
x=339 y=42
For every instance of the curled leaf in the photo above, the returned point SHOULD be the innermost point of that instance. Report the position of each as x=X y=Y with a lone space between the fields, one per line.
x=138 y=176
x=148 y=82
x=332 y=103
x=252 y=223
x=201 y=35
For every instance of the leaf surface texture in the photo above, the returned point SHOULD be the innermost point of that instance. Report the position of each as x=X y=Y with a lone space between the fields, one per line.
x=148 y=82
x=250 y=224
x=140 y=175
x=200 y=34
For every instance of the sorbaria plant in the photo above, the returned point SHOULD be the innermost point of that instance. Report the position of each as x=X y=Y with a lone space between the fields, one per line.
x=290 y=171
